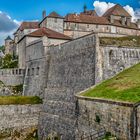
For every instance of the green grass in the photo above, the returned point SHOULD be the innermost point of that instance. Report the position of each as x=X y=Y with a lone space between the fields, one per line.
x=123 y=87
x=19 y=100
x=129 y=41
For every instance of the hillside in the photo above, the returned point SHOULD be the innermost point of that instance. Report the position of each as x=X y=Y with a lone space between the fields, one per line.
x=123 y=87
x=129 y=41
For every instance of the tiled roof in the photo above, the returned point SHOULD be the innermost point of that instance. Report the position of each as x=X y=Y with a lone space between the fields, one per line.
x=29 y=25
x=88 y=19
x=83 y=18
x=49 y=33
x=90 y=12
x=117 y=10
x=54 y=15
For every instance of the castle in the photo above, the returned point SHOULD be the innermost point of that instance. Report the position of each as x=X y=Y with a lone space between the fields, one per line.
x=61 y=56
x=114 y=22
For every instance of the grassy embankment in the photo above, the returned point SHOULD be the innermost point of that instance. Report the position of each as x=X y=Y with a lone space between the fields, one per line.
x=123 y=87
x=19 y=100
x=129 y=41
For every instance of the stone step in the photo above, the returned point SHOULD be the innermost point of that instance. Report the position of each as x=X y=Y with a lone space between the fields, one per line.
x=60 y=108
x=58 y=94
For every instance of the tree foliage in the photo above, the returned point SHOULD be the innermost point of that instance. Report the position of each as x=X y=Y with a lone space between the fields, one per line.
x=9 y=62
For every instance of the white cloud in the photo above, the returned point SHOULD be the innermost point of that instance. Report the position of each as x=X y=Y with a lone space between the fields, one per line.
x=102 y=7
x=7 y=26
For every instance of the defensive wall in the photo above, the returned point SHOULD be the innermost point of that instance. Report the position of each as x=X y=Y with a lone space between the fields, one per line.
x=18 y=121
x=12 y=77
x=57 y=73
x=121 y=119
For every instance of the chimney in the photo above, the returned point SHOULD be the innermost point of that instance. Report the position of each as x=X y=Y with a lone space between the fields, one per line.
x=123 y=20
x=111 y=19
x=128 y=21
x=138 y=23
x=44 y=14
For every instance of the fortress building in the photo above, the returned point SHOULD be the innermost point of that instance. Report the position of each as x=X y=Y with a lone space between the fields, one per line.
x=61 y=56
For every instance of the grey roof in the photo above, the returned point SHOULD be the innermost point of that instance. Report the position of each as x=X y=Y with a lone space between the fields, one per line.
x=8 y=38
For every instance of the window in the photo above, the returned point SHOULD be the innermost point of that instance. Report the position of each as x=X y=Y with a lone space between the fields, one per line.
x=55 y=20
x=28 y=72
x=87 y=25
x=37 y=71
x=19 y=71
x=33 y=71
x=96 y=26
x=16 y=71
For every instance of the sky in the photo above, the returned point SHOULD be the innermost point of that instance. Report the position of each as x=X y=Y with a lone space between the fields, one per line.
x=13 y=12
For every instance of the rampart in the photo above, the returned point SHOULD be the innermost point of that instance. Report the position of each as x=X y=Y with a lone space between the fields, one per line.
x=12 y=77
x=18 y=121
x=121 y=119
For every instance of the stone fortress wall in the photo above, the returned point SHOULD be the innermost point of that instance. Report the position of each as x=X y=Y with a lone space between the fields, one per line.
x=57 y=73
x=12 y=77
x=73 y=67
x=70 y=69
x=119 y=118
x=18 y=121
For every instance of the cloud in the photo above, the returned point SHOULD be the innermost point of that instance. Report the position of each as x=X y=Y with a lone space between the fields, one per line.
x=102 y=7
x=7 y=26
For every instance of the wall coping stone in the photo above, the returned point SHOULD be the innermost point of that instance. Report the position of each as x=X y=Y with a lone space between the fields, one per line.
x=101 y=100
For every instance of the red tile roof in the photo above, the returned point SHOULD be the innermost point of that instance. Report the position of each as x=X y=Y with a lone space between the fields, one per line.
x=90 y=12
x=83 y=18
x=49 y=33
x=88 y=19
x=29 y=25
x=117 y=10
x=54 y=15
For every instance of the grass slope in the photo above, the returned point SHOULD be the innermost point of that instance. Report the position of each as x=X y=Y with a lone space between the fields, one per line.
x=19 y=100
x=123 y=87
x=129 y=41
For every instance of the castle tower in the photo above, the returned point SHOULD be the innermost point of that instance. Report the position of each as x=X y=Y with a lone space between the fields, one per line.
x=8 y=45
x=53 y=21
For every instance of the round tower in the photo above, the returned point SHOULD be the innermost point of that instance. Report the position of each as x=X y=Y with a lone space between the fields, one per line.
x=8 y=41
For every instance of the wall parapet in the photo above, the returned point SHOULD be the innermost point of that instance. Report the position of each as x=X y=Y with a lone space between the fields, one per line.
x=12 y=77
x=14 y=71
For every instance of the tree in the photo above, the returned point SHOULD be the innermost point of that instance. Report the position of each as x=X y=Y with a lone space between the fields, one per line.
x=8 y=62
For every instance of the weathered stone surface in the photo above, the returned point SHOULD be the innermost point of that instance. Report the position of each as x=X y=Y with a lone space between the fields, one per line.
x=71 y=69
x=18 y=121
x=115 y=118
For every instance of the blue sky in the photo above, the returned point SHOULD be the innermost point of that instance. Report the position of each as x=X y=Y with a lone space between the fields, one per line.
x=12 y=12
x=31 y=9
